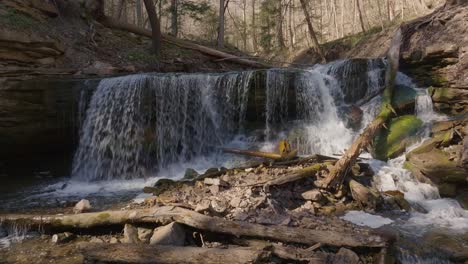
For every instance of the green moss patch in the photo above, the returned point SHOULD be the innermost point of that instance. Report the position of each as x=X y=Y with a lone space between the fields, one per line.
x=391 y=142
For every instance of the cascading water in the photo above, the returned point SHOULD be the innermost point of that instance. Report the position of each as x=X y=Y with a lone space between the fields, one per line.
x=136 y=120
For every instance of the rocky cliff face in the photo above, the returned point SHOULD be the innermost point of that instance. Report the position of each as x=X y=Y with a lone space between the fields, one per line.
x=40 y=116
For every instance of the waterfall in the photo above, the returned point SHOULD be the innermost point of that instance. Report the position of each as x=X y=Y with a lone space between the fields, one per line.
x=137 y=123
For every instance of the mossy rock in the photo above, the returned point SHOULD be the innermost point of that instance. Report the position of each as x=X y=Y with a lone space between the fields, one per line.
x=392 y=142
x=437 y=166
x=404 y=99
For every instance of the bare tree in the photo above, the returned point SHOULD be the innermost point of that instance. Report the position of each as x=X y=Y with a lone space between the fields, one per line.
x=254 y=27
x=360 y=15
x=313 y=36
x=174 y=18
x=155 y=26
x=139 y=13
x=279 y=29
x=221 y=24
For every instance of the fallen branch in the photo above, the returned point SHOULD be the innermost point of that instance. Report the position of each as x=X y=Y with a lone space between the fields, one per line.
x=146 y=254
x=300 y=174
x=262 y=154
x=338 y=173
x=168 y=214
x=113 y=23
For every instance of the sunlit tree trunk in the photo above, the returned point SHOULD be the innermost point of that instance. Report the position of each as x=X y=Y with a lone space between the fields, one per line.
x=279 y=29
x=254 y=28
x=361 y=19
x=313 y=36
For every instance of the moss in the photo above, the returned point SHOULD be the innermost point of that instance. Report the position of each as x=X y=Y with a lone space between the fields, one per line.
x=392 y=142
x=438 y=80
x=103 y=216
x=16 y=20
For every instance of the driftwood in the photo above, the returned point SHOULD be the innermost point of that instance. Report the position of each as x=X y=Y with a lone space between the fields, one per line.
x=308 y=255
x=300 y=174
x=113 y=23
x=337 y=174
x=253 y=153
x=168 y=214
x=146 y=254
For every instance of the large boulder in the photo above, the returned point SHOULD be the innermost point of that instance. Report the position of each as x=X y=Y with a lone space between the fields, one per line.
x=451 y=101
x=404 y=99
x=172 y=234
x=392 y=142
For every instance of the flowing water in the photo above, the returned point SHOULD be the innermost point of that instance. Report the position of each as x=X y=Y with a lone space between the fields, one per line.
x=137 y=129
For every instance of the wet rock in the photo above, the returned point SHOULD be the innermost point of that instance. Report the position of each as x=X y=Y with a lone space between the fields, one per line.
x=354 y=116
x=451 y=244
x=190 y=174
x=130 y=234
x=403 y=100
x=144 y=234
x=346 y=256
x=96 y=240
x=211 y=171
x=398 y=198
x=171 y=234
x=312 y=195
x=82 y=207
x=447 y=189
x=62 y=238
x=161 y=186
x=462 y=198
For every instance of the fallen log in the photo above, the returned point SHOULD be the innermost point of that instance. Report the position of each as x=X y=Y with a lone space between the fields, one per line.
x=300 y=174
x=148 y=254
x=262 y=154
x=116 y=24
x=168 y=214
x=340 y=170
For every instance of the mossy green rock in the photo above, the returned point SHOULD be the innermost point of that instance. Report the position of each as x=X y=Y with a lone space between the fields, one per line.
x=404 y=99
x=392 y=142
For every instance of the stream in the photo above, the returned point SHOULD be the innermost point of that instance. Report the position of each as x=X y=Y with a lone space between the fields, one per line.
x=140 y=128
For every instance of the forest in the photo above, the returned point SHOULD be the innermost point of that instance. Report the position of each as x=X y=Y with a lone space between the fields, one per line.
x=234 y=131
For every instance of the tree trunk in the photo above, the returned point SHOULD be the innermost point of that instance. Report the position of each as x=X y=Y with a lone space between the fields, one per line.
x=120 y=9
x=361 y=19
x=244 y=26
x=279 y=29
x=155 y=27
x=380 y=15
x=168 y=214
x=254 y=28
x=174 y=18
x=139 y=13
x=149 y=254
x=221 y=24
x=291 y=24
x=311 y=30
x=336 y=176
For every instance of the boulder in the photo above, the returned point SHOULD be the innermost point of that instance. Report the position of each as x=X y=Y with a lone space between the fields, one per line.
x=82 y=207
x=190 y=174
x=203 y=206
x=144 y=234
x=172 y=234
x=130 y=234
x=215 y=181
x=451 y=101
x=404 y=99
x=392 y=142
x=346 y=256
x=437 y=166
x=96 y=240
